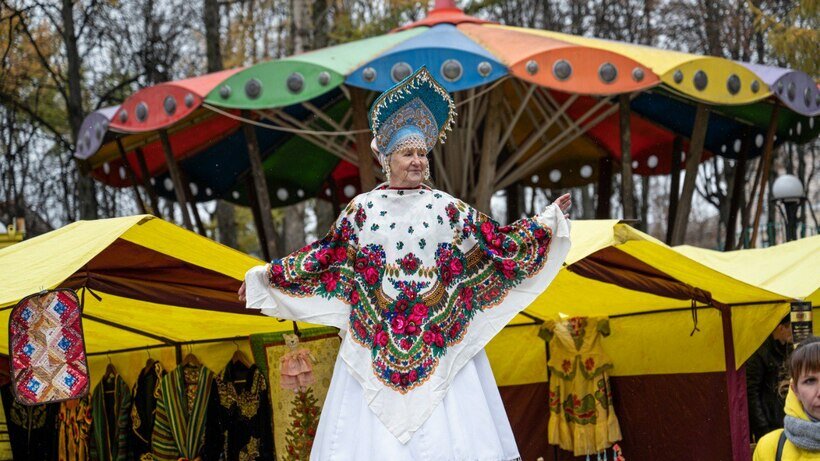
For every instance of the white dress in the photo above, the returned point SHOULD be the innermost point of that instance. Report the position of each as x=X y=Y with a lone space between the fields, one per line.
x=425 y=392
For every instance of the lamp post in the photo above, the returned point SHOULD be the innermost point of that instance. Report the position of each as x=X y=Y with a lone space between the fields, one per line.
x=788 y=194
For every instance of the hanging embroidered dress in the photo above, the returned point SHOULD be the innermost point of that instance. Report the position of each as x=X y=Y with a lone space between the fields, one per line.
x=245 y=413
x=145 y=394
x=582 y=417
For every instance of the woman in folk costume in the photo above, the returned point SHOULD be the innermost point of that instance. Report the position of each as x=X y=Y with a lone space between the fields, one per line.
x=418 y=282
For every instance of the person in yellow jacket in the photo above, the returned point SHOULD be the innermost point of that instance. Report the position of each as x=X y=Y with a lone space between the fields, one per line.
x=800 y=438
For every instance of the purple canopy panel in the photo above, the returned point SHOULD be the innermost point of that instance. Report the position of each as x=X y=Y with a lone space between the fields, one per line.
x=93 y=130
x=795 y=89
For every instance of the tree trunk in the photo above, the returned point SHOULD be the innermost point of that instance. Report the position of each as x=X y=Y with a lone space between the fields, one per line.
x=358 y=103
x=225 y=213
x=627 y=184
x=294 y=228
x=603 y=208
x=86 y=190
x=210 y=17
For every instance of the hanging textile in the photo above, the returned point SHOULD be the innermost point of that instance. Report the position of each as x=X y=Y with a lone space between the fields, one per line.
x=48 y=361
x=296 y=366
x=144 y=397
x=582 y=417
x=110 y=409
x=73 y=430
x=187 y=416
x=246 y=413
x=268 y=350
x=31 y=428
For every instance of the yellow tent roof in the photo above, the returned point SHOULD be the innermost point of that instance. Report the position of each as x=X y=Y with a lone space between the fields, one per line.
x=617 y=271
x=790 y=269
x=187 y=293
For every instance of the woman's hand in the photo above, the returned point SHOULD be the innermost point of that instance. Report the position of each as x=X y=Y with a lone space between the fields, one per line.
x=241 y=292
x=564 y=202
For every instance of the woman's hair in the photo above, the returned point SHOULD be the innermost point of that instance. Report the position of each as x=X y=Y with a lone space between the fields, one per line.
x=805 y=359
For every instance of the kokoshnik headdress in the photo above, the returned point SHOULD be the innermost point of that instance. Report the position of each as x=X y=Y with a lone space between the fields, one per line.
x=416 y=112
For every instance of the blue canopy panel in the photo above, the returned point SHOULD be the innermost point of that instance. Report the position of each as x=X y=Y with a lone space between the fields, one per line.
x=723 y=135
x=456 y=61
x=221 y=170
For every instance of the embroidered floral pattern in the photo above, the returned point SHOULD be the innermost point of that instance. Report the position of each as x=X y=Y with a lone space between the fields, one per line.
x=408 y=314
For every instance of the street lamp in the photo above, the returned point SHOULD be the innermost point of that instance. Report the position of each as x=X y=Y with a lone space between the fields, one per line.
x=788 y=193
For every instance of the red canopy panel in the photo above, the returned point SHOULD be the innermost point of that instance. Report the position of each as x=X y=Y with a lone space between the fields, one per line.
x=160 y=106
x=185 y=143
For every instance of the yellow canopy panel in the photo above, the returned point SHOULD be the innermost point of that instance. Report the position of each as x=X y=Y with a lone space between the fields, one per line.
x=156 y=282
x=702 y=78
x=790 y=269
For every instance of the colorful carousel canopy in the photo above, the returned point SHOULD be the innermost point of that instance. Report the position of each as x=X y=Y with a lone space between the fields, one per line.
x=558 y=115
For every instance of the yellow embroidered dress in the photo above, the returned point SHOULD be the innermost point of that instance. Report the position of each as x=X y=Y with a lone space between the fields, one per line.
x=582 y=418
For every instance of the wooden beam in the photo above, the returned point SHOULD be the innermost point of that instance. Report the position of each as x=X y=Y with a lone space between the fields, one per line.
x=692 y=162
x=132 y=178
x=627 y=184
x=358 y=103
x=738 y=187
x=674 y=187
x=179 y=187
x=489 y=152
x=260 y=187
x=189 y=194
x=766 y=165
x=603 y=207
x=257 y=220
x=146 y=182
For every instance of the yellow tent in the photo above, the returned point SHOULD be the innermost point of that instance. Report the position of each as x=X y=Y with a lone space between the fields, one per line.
x=646 y=288
x=158 y=286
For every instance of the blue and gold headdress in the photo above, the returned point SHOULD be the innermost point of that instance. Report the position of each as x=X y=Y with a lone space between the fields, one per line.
x=416 y=112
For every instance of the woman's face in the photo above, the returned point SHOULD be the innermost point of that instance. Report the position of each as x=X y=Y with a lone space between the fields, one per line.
x=407 y=167
x=807 y=389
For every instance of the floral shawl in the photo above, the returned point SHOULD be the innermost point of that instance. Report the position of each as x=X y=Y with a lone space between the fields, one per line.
x=420 y=282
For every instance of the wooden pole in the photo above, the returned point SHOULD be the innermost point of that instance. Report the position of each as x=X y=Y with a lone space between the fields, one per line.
x=692 y=162
x=738 y=186
x=764 y=177
x=192 y=204
x=674 y=187
x=358 y=103
x=146 y=182
x=603 y=206
x=257 y=220
x=132 y=178
x=260 y=187
x=627 y=184
x=179 y=187
x=489 y=152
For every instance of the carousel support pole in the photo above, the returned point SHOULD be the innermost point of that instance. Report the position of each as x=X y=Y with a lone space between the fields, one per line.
x=603 y=206
x=627 y=183
x=692 y=163
x=674 y=187
x=132 y=178
x=735 y=391
x=358 y=103
x=189 y=195
x=738 y=185
x=146 y=182
x=260 y=187
x=257 y=220
x=176 y=177
x=489 y=151
x=764 y=177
